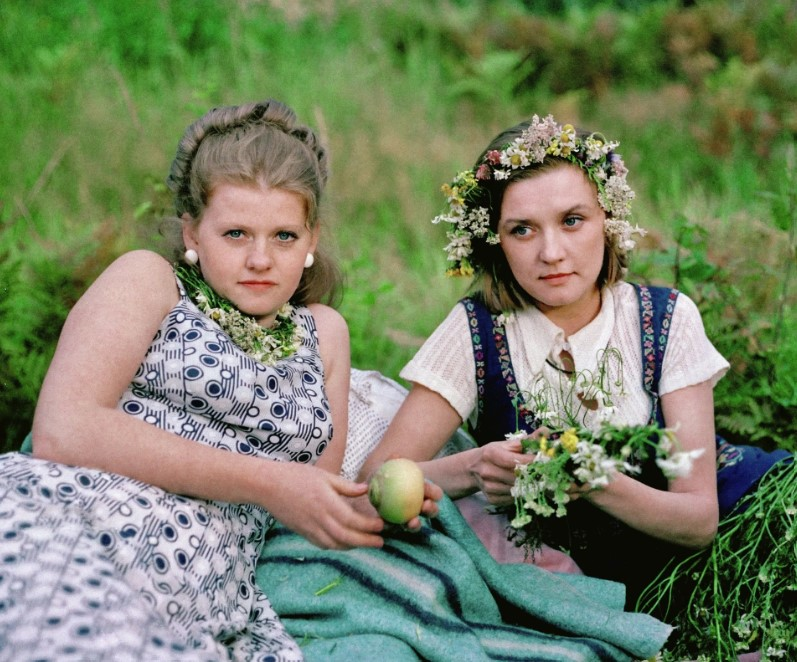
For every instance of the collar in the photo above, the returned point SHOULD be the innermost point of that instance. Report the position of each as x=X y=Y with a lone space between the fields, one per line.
x=542 y=339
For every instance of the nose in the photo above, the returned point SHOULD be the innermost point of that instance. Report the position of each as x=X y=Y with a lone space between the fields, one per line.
x=553 y=247
x=258 y=257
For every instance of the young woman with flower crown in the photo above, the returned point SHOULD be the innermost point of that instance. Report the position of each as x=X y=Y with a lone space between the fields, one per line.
x=182 y=414
x=553 y=336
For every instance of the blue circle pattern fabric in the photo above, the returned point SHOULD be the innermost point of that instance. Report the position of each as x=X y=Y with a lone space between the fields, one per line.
x=94 y=565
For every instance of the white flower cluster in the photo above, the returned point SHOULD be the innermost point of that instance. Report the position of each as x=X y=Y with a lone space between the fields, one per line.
x=266 y=345
x=533 y=490
x=675 y=463
x=594 y=467
x=467 y=222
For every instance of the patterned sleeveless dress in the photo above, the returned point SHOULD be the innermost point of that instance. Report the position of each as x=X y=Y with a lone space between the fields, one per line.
x=98 y=566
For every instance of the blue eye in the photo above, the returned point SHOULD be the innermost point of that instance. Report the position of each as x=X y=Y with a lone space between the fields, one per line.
x=521 y=230
x=284 y=235
x=572 y=221
x=235 y=234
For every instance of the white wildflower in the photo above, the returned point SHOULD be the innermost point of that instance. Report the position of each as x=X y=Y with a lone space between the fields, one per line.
x=679 y=464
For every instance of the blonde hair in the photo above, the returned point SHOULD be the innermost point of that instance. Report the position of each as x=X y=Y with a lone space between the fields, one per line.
x=259 y=144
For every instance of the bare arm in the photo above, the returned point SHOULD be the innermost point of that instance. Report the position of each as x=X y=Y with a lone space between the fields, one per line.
x=333 y=340
x=686 y=514
x=422 y=425
x=77 y=422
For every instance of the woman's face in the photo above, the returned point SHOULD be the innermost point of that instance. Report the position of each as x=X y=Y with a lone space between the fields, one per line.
x=252 y=243
x=551 y=231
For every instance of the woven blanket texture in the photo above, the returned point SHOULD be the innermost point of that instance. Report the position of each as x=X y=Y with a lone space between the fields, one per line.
x=437 y=595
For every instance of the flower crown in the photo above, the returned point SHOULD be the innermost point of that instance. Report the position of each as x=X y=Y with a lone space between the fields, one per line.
x=544 y=137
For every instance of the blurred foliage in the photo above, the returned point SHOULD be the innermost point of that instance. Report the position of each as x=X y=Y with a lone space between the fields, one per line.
x=702 y=96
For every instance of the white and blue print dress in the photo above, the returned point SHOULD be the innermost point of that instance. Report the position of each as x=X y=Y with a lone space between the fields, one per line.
x=97 y=566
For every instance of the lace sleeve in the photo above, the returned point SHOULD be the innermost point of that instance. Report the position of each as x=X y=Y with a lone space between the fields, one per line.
x=690 y=357
x=445 y=365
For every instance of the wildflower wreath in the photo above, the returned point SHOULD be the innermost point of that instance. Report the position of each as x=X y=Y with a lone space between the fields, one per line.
x=596 y=156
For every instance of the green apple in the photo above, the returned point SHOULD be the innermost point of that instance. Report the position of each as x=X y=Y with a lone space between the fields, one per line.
x=396 y=490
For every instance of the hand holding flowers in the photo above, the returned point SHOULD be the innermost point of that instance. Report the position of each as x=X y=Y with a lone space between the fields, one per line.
x=573 y=458
x=570 y=462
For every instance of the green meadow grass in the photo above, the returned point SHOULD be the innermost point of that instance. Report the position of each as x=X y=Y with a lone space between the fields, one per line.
x=96 y=94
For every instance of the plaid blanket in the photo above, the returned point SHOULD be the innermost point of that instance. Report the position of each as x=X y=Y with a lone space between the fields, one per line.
x=437 y=594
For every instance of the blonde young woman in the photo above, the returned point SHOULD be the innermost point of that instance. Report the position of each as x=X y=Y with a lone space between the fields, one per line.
x=182 y=414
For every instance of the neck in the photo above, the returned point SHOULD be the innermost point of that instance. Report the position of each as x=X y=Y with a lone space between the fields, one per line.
x=576 y=316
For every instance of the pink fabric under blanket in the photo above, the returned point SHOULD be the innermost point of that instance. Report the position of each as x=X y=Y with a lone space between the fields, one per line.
x=491 y=530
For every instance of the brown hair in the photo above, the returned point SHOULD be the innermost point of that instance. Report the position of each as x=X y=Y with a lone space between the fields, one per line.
x=493 y=277
x=259 y=144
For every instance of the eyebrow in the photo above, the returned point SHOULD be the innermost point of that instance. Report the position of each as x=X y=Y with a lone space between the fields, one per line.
x=579 y=208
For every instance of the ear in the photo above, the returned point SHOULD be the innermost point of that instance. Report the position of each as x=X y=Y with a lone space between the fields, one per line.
x=189 y=231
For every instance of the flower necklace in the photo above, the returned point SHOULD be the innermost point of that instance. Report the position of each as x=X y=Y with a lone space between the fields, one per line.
x=266 y=345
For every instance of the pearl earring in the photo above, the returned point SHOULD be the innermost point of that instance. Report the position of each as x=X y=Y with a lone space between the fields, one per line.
x=309 y=261
x=191 y=256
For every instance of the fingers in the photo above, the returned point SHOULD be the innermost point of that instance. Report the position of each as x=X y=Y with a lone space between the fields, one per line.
x=332 y=517
x=512 y=445
x=348 y=529
x=345 y=540
x=348 y=488
x=414 y=524
x=431 y=491
x=503 y=454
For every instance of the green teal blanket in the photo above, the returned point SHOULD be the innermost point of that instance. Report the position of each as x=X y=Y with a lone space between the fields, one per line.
x=437 y=594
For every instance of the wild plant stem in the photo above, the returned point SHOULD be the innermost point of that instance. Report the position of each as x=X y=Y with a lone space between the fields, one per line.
x=791 y=258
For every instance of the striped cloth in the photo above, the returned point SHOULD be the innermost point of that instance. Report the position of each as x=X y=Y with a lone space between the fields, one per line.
x=437 y=594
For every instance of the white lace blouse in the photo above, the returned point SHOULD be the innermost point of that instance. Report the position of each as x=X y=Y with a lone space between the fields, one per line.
x=445 y=363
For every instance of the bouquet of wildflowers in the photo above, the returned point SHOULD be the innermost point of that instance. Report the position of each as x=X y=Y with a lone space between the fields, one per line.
x=568 y=452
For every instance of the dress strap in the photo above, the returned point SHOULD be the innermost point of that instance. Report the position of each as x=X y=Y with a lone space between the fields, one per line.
x=656 y=306
x=501 y=408
x=476 y=334
x=180 y=286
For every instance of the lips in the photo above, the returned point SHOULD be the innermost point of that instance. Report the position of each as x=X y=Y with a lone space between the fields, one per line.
x=257 y=283
x=555 y=277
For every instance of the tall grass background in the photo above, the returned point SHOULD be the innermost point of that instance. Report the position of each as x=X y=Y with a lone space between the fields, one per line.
x=95 y=94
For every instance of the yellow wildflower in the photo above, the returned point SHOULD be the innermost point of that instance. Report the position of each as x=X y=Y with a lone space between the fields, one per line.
x=569 y=440
x=465 y=269
x=546 y=448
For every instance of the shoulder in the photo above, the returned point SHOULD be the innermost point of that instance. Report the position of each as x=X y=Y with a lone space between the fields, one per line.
x=136 y=281
x=333 y=343
x=124 y=306
x=330 y=324
x=141 y=267
x=627 y=299
x=687 y=317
